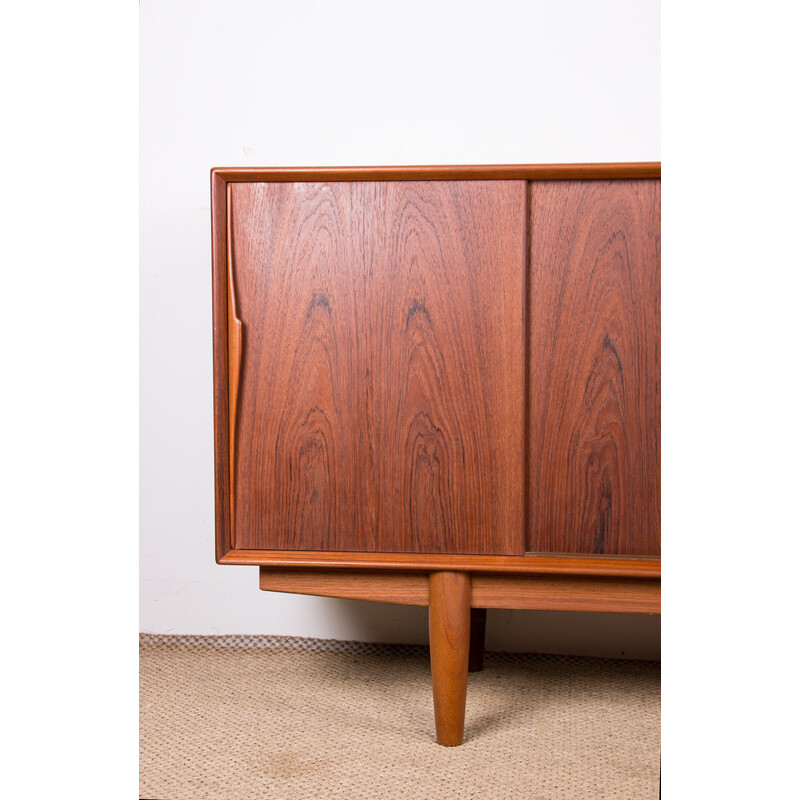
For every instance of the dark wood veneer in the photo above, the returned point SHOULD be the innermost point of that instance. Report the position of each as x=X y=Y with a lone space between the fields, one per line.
x=382 y=378
x=594 y=379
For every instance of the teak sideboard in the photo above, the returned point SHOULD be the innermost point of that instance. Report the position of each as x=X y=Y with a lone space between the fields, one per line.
x=440 y=386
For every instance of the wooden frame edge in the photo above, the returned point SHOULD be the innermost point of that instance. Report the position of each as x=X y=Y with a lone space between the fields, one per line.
x=544 y=565
x=529 y=172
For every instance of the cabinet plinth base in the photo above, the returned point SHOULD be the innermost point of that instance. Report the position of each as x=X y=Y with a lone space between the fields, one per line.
x=457 y=603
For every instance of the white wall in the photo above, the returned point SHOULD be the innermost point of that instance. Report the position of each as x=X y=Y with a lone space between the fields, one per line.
x=243 y=82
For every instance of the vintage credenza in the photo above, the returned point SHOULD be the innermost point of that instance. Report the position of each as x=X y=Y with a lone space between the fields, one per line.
x=441 y=386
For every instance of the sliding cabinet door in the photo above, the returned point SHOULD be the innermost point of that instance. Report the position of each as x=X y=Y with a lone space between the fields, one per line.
x=379 y=400
x=594 y=367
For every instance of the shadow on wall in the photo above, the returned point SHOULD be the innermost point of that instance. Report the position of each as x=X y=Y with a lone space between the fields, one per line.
x=634 y=636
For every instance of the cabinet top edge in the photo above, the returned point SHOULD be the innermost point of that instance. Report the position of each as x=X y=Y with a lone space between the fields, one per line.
x=529 y=172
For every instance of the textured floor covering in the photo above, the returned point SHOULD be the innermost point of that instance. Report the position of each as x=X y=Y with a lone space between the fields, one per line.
x=290 y=719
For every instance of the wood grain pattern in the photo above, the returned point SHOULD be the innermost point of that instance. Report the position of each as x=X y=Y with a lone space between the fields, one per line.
x=449 y=624
x=567 y=593
x=406 y=588
x=526 y=565
x=594 y=367
x=381 y=397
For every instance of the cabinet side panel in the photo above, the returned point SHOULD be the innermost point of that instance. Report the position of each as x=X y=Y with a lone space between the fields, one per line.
x=594 y=367
x=220 y=352
x=382 y=389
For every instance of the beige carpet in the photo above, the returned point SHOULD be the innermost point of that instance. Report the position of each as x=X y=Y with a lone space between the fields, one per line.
x=236 y=718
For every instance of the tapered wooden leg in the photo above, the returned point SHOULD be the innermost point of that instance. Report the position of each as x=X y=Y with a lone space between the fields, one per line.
x=448 y=623
x=477 y=638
